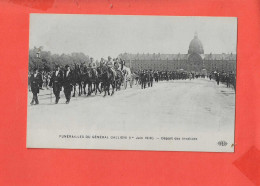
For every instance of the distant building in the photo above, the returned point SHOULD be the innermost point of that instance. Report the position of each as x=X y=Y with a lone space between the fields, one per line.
x=195 y=60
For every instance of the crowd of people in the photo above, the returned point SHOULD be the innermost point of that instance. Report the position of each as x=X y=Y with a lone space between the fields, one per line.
x=81 y=74
x=100 y=76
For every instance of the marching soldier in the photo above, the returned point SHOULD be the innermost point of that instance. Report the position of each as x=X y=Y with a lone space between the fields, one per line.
x=56 y=82
x=151 y=77
x=217 y=78
x=35 y=80
x=67 y=83
x=228 y=79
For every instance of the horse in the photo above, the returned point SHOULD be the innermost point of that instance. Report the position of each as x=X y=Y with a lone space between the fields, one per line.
x=107 y=78
x=128 y=76
x=84 y=78
x=76 y=79
x=119 y=79
x=92 y=79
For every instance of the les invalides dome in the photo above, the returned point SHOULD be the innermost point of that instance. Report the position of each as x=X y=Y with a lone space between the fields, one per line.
x=196 y=46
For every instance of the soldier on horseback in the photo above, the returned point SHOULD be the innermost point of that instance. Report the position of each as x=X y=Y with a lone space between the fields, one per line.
x=102 y=62
x=116 y=64
x=92 y=65
x=110 y=66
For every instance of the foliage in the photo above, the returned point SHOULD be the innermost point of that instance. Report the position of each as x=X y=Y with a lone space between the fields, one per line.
x=47 y=61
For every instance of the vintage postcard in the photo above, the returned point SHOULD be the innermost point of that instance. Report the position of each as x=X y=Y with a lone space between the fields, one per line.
x=125 y=82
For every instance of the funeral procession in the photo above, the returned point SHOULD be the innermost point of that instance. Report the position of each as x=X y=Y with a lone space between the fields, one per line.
x=159 y=79
x=81 y=75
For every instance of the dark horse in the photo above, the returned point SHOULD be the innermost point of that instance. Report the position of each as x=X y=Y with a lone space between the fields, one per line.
x=77 y=79
x=92 y=78
x=119 y=79
x=107 y=78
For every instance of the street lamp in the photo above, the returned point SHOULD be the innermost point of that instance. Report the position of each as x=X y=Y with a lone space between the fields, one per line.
x=38 y=54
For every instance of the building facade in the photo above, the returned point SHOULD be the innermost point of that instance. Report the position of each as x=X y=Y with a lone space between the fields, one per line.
x=194 y=61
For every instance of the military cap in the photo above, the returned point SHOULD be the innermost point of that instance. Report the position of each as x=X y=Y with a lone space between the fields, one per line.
x=66 y=66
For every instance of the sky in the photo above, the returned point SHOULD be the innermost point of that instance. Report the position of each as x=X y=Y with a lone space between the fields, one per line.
x=109 y=35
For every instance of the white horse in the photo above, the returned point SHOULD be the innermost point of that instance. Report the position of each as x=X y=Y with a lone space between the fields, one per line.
x=128 y=77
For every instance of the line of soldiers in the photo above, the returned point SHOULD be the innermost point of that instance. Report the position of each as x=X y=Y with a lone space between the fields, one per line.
x=229 y=78
x=63 y=78
x=165 y=75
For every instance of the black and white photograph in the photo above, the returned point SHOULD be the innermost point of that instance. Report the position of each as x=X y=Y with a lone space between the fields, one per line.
x=129 y=82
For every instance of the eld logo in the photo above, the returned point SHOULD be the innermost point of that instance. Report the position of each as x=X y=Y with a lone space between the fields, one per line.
x=222 y=143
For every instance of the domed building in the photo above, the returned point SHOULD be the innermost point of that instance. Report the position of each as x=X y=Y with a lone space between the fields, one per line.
x=196 y=46
x=194 y=61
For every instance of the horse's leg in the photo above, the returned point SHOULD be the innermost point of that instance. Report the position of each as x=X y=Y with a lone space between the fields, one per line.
x=97 y=88
x=94 y=90
x=89 y=88
x=84 y=87
x=74 y=90
x=100 y=86
x=108 y=87
x=116 y=85
x=94 y=85
x=113 y=87
x=105 y=89
x=79 y=89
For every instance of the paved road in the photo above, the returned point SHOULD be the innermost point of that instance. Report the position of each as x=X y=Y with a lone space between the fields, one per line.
x=183 y=105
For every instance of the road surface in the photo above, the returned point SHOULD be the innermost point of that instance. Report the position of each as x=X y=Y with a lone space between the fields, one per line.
x=183 y=105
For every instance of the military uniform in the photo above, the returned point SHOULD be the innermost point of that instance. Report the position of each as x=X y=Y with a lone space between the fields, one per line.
x=93 y=67
x=111 y=65
x=116 y=65
x=102 y=62
x=217 y=78
x=35 y=80
x=67 y=84
x=92 y=64
x=56 y=82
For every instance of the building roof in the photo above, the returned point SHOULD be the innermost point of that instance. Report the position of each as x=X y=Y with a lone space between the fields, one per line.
x=220 y=56
x=196 y=46
x=158 y=56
